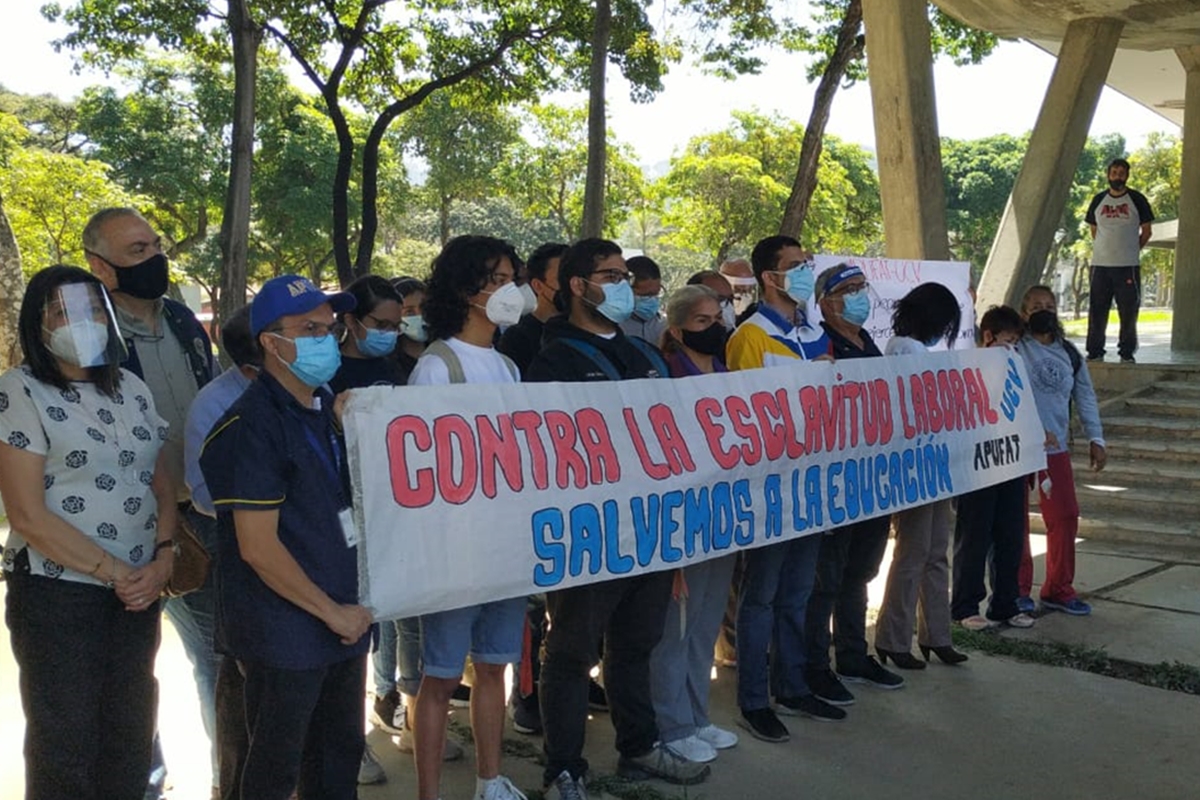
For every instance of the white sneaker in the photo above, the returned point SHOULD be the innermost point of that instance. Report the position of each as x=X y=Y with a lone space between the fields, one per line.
x=404 y=743
x=693 y=748
x=566 y=788
x=1021 y=621
x=370 y=771
x=499 y=788
x=718 y=738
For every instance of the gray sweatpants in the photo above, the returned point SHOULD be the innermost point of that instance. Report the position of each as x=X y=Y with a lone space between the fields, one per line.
x=681 y=665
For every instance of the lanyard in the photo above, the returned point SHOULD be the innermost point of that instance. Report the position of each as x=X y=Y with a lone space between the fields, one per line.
x=332 y=466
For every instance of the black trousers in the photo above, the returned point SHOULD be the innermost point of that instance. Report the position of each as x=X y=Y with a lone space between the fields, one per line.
x=990 y=521
x=87 y=688
x=628 y=614
x=848 y=561
x=1124 y=284
x=303 y=729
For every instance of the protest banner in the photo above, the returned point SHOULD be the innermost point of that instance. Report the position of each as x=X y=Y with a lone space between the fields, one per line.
x=892 y=278
x=465 y=494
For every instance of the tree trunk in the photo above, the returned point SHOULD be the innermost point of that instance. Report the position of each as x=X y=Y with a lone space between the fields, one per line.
x=235 y=223
x=849 y=46
x=593 y=190
x=12 y=289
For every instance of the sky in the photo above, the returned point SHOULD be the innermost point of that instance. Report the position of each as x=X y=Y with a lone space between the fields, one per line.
x=1001 y=95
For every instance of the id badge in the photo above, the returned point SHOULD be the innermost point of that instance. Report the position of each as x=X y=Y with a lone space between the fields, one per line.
x=349 y=529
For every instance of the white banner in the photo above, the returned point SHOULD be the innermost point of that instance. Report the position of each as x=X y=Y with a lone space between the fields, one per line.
x=892 y=278
x=465 y=494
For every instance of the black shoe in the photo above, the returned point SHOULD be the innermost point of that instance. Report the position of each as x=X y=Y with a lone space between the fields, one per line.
x=900 y=659
x=946 y=654
x=1096 y=358
x=383 y=712
x=461 y=697
x=763 y=724
x=526 y=716
x=809 y=706
x=597 y=697
x=826 y=686
x=870 y=672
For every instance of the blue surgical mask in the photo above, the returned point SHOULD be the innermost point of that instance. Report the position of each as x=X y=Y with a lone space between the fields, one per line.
x=856 y=308
x=317 y=359
x=618 y=301
x=799 y=282
x=646 y=307
x=377 y=343
x=414 y=328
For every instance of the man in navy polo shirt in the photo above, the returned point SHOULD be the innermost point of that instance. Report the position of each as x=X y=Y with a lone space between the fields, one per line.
x=287 y=576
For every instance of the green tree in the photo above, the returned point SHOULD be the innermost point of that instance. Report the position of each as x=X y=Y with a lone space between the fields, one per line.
x=978 y=175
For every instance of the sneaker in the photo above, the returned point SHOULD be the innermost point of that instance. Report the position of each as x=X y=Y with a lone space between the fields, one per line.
x=719 y=738
x=566 y=788
x=1020 y=621
x=499 y=788
x=693 y=748
x=525 y=714
x=597 y=697
x=1096 y=358
x=663 y=763
x=810 y=706
x=370 y=771
x=461 y=697
x=1128 y=360
x=404 y=743
x=1025 y=605
x=826 y=686
x=976 y=622
x=763 y=724
x=870 y=671
x=1075 y=607
x=384 y=712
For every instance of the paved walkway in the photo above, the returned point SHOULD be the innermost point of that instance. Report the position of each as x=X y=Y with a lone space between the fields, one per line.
x=994 y=728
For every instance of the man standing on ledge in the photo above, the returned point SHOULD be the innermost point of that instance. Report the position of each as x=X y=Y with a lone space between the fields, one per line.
x=1120 y=221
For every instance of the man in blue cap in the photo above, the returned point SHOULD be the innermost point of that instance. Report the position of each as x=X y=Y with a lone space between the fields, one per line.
x=287 y=576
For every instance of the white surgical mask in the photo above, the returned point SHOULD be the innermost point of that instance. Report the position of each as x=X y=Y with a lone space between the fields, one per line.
x=82 y=343
x=530 y=298
x=505 y=306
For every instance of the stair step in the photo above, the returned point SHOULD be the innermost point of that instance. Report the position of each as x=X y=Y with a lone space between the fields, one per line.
x=1095 y=492
x=1132 y=529
x=1180 y=389
x=1151 y=427
x=1184 y=407
x=1134 y=448
x=1167 y=475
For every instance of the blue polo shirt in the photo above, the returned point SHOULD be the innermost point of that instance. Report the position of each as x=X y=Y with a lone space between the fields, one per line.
x=270 y=452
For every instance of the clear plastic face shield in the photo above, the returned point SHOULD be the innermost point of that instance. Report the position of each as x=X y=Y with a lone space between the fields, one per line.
x=745 y=292
x=80 y=328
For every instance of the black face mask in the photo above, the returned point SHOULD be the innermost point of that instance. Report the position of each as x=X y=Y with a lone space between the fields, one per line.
x=1043 y=322
x=709 y=342
x=1116 y=185
x=146 y=280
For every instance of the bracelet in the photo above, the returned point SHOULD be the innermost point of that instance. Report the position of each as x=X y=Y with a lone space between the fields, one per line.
x=112 y=573
x=92 y=572
x=165 y=544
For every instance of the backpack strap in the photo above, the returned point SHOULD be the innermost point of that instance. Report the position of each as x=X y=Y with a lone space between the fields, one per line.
x=439 y=348
x=652 y=355
x=599 y=359
x=1074 y=355
x=512 y=367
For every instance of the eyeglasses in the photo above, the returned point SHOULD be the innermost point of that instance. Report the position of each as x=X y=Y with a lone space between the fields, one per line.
x=842 y=291
x=309 y=329
x=383 y=324
x=610 y=275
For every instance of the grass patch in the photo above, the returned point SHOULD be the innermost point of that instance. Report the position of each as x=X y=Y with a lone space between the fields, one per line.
x=522 y=748
x=1078 y=327
x=1176 y=676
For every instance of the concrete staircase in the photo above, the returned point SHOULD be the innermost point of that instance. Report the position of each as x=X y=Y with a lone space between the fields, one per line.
x=1149 y=493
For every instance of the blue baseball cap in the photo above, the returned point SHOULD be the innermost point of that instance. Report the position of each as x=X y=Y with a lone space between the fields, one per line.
x=292 y=294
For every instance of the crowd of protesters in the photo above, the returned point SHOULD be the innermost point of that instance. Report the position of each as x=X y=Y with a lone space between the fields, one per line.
x=118 y=429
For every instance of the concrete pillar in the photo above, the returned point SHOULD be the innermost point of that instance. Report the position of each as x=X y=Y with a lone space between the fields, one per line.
x=1040 y=193
x=1185 y=323
x=907 y=146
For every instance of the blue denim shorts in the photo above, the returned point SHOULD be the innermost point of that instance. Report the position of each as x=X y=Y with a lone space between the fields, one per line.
x=491 y=632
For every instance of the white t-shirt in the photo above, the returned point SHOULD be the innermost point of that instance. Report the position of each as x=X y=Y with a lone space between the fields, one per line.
x=100 y=454
x=479 y=365
x=904 y=346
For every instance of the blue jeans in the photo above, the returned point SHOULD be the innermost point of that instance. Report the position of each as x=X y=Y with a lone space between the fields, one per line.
x=399 y=646
x=776 y=585
x=193 y=616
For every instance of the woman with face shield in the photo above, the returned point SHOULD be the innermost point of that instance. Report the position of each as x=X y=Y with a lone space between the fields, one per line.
x=92 y=513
